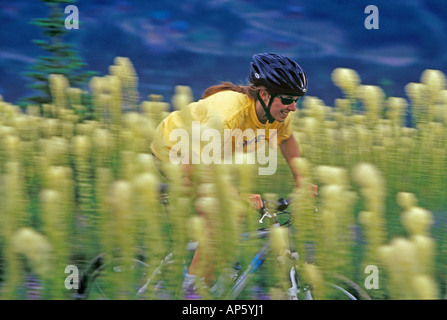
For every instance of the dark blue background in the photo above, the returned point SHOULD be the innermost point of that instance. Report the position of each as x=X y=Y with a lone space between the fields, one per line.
x=201 y=42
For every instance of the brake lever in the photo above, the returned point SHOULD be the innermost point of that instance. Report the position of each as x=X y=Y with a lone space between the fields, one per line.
x=282 y=204
x=266 y=214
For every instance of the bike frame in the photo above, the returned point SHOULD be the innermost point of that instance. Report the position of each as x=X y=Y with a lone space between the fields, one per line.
x=241 y=281
x=256 y=262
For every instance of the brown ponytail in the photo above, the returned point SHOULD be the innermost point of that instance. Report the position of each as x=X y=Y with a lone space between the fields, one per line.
x=250 y=90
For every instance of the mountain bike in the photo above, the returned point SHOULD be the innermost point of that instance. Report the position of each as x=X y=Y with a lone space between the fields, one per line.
x=149 y=282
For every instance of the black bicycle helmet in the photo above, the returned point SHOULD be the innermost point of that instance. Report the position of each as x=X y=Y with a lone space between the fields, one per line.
x=279 y=74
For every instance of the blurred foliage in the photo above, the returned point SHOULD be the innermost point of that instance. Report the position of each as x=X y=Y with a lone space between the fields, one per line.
x=73 y=188
x=61 y=58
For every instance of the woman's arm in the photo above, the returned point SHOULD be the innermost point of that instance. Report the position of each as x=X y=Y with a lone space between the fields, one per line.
x=289 y=149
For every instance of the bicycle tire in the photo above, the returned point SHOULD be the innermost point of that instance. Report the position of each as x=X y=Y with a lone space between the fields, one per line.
x=331 y=292
x=360 y=293
x=91 y=284
x=341 y=293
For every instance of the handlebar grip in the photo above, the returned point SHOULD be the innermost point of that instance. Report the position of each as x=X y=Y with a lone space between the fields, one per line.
x=282 y=204
x=163 y=188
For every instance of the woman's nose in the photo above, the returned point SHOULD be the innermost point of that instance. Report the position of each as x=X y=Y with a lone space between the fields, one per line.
x=291 y=107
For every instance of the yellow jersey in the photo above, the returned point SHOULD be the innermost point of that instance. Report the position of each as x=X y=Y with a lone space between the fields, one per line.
x=231 y=114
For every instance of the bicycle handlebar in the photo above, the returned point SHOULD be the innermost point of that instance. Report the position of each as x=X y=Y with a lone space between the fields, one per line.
x=281 y=205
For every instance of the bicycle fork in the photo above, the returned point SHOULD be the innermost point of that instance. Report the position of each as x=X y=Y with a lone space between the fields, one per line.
x=295 y=289
x=241 y=282
x=257 y=261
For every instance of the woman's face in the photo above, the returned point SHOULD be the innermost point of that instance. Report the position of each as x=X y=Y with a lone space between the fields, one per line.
x=281 y=106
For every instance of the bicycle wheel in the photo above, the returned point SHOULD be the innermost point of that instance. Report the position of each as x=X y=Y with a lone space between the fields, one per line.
x=328 y=291
x=354 y=288
x=336 y=292
x=113 y=278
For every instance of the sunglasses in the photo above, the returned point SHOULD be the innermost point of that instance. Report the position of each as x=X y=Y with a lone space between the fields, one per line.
x=286 y=100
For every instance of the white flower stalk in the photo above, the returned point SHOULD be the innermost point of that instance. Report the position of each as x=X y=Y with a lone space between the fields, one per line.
x=182 y=97
x=335 y=236
x=149 y=216
x=115 y=88
x=425 y=287
x=280 y=243
x=121 y=223
x=281 y=250
x=36 y=248
x=11 y=144
x=125 y=71
x=196 y=228
x=245 y=172
x=372 y=188
x=56 y=150
x=155 y=109
x=61 y=178
x=442 y=107
x=343 y=106
x=74 y=96
x=417 y=221
x=33 y=111
x=103 y=181
x=97 y=87
x=406 y=200
x=313 y=275
x=103 y=145
x=425 y=253
x=436 y=82
x=347 y=80
x=26 y=128
x=409 y=261
x=140 y=129
x=56 y=226
x=372 y=98
x=144 y=163
x=396 y=112
x=306 y=219
x=418 y=93
x=400 y=260
x=314 y=107
x=81 y=148
x=58 y=87
x=14 y=202
x=205 y=229
x=406 y=276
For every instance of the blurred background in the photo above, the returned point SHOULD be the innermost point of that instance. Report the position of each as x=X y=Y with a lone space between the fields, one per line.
x=198 y=43
x=69 y=169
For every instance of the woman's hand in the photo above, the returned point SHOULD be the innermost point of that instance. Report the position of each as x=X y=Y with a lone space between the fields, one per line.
x=313 y=190
x=256 y=200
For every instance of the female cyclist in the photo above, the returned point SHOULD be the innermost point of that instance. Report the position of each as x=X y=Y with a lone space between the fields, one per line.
x=276 y=84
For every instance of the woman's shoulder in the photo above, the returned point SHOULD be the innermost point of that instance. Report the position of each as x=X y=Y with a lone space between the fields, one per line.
x=229 y=96
x=228 y=103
